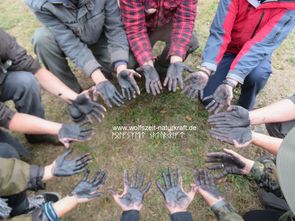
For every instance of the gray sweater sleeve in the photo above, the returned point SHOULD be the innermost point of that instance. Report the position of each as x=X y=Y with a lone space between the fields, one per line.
x=71 y=45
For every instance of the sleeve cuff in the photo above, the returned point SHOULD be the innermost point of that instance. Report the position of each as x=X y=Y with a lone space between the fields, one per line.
x=221 y=207
x=90 y=67
x=36 y=176
x=6 y=115
x=181 y=216
x=50 y=212
x=35 y=66
x=130 y=215
x=209 y=65
x=118 y=63
x=119 y=55
x=240 y=77
x=292 y=98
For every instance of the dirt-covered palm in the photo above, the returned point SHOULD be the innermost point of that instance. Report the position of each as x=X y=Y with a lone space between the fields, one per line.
x=176 y=199
x=229 y=162
x=133 y=194
x=74 y=132
x=239 y=136
x=128 y=84
x=221 y=98
x=235 y=116
x=174 y=75
x=206 y=186
x=88 y=189
x=5 y=210
x=152 y=79
x=109 y=93
x=195 y=84
x=63 y=166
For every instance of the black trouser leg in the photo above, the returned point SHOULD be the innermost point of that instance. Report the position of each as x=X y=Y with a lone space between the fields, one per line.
x=262 y=215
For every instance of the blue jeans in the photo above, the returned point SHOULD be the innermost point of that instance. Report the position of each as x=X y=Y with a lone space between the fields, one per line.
x=253 y=84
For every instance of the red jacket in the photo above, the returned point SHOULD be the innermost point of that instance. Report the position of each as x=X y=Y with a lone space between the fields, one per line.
x=249 y=29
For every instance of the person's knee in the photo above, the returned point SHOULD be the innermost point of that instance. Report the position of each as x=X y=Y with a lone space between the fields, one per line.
x=41 y=40
x=7 y=151
x=28 y=83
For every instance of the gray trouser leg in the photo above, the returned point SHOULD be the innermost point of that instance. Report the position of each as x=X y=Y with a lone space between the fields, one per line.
x=280 y=130
x=53 y=58
x=24 y=89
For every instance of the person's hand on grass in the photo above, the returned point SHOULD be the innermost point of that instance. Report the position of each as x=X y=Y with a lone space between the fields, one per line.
x=229 y=162
x=88 y=189
x=152 y=80
x=133 y=194
x=238 y=136
x=235 y=116
x=205 y=185
x=128 y=84
x=176 y=199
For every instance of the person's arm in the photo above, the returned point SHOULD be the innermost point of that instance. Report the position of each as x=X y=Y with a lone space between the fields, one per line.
x=55 y=86
x=17 y=176
x=133 y=17
x=281 y=111
x=268 y=143
x=70 y=44
x=183 y=26
x=116 y=37
x=11 y=50
x=262 y=45
x=220 y=34
x=24 y=123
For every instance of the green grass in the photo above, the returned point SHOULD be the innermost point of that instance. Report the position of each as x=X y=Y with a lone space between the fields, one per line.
x=149 y=154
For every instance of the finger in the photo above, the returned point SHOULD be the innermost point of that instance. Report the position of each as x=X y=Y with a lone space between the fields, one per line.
x=219 y=108
x=201 y=94
x=160 y=188
x=171 y=177
x=126 y=178
x=85 y=178
x=97 y=116
x=108 y=103
x=211 y=104
x=166 y=81
x=66 y=154
x=215 y=167
x=123 y=93
x=157 y=88
x=179 y=177
x=165 y=180
x=159 y=85
x=170 y=84
x=147 y=188
x=141 y=180
x=135 y=87
x=147 y=87
x=180 y=81
x=208 y=98
x=153 y=88
x=99 y=107
x=114 y=101
x=174 y=84
x=134 y=178
x=119 y=97
x=96 y=195
x=213 y=108
x=128 y=93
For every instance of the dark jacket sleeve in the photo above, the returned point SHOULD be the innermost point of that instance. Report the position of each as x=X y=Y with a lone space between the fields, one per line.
x=182 y=216
x=131 y=215
x=17 y=176
x=5 y=115
x=10 y=50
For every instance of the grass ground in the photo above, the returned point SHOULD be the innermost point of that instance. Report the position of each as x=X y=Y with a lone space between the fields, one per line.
x=151 y=154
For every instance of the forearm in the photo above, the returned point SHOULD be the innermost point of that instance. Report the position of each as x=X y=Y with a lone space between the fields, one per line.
x=65 y=205
x=55 y=86
x=281 y=111
x=24 y=123
x=225 y=212
x=268 y=143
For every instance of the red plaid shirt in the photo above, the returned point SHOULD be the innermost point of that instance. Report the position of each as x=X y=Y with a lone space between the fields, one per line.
x=138 y=24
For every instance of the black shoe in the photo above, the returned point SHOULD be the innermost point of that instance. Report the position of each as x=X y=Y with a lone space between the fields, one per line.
x=36 y=139
x=76 y=115
x=271 y=201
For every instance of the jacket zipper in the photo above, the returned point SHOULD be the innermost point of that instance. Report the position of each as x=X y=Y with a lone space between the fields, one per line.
x=258 y=24
x=279 y=32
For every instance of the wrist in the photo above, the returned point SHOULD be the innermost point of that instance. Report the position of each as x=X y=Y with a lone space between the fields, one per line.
x=151 y=63
x=97 y=76
x=121 y=67
x=175 y=58
x=48 y=172
x=231 y=82
x=205 y=70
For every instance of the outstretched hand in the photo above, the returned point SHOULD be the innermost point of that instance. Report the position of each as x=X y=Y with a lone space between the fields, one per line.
x=128 y=84
x=88 y=189
x=63 y=166
x=176 y=199
x=229 y=162
x=133 y=194
x=195 y=84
